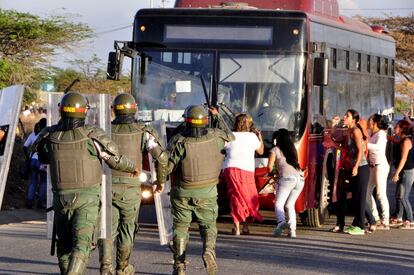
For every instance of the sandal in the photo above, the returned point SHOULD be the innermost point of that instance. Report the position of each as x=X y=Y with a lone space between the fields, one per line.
x=234 y=232
x=337 y=229
x=245 y=231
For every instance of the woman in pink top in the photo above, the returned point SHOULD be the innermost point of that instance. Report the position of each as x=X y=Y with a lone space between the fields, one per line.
x=239 y=167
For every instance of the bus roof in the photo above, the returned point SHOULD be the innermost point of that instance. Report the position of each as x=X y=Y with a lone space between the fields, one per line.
x=342 y=22
x=328 y=8
x=322 y=11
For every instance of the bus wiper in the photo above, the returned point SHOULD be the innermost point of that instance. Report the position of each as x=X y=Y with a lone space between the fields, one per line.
x=205 y=91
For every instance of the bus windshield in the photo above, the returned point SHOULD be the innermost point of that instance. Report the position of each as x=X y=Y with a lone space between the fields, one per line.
x=170 y=84
x=268 y=86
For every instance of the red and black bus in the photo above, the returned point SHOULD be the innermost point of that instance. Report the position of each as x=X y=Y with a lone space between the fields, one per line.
x=289 y=64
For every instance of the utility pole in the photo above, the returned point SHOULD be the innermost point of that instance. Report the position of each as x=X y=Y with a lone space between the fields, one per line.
x=151 y=3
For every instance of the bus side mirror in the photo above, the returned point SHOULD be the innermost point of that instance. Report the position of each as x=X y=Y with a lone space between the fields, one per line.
x=320 y=71
x=114 y=66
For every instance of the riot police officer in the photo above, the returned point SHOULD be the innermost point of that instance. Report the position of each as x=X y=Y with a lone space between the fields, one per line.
x=196 y=157
x=74 y=151
x=133 y=138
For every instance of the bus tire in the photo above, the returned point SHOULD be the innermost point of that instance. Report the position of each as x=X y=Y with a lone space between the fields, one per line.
x=315 y=217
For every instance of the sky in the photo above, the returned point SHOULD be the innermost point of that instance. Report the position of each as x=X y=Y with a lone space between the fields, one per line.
x=112 y=20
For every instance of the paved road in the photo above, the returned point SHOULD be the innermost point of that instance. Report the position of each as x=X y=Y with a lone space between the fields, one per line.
x=24 y=249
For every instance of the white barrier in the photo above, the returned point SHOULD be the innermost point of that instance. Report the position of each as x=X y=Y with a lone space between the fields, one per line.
x=10 y=104
x=162 y=200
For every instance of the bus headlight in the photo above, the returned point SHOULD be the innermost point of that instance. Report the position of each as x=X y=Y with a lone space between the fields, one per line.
x=146 y=194
x=297 y=145
x=144 y=177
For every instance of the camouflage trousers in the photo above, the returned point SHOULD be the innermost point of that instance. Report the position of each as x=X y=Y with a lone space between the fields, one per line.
x=126 y=201
x=204 y=210
x=76 y=216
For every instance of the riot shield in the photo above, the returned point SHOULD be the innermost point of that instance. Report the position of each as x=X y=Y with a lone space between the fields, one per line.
x=10 y=104
x=162 y=200
x=99 y=114
x=53 y=117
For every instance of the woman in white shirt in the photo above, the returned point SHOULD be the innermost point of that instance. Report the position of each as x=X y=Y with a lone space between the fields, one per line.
x=239 y=167
x=379 y=169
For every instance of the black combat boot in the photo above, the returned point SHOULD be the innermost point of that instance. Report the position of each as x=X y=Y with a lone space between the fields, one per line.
x=209 y=254
x=63 y=267
x=179 y=247
x=122 y=259
x=105 y=257
x=77 y=264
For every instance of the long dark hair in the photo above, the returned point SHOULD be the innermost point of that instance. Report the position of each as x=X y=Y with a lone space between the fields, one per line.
x=285 y=144
x=355 y=116
x=380 y=120
x=40 y=125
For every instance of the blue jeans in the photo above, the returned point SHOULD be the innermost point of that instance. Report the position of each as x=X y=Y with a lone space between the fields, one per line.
x=288 y=190
x=35 y=175
x=403 y=191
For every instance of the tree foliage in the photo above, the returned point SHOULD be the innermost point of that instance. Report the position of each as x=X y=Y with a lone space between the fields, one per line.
x=25 y=36
x=402 y=30
x=92 y=78
x=27 y=43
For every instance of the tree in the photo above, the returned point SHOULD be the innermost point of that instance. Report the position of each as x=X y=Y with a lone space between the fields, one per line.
x=92 y=78
x=402 y=30
x=27 y=43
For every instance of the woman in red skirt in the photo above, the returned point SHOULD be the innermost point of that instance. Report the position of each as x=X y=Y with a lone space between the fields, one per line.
x=239 y=168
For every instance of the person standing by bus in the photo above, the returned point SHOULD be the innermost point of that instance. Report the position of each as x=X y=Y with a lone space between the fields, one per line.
x=239 y=172
x=403 y=175
x=290 y=183
x=379 y=169
x=74 y=151
x=196 y=157
x=132 y=138
x=355 y=170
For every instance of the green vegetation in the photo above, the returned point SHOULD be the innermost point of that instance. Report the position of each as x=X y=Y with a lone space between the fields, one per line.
x=27 y=43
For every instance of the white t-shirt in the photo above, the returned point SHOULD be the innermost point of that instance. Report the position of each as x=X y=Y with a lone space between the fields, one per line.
x=240 y=152
x=284 y=169
x=376 y=148
x=29 y=142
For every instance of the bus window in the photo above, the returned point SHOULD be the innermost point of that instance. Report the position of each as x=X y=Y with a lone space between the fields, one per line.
x=378 y=65
x=392 y=67
x=386 y=66
x=347 y=60
x=172 y=83
x=166 y=57
x=368 y=63
x=267 y=86
x=358 y=63
x=333 y=57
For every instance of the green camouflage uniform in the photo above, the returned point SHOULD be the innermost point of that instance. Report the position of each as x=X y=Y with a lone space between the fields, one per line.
x=75 y=158
x=133 y=139
x=194 y=191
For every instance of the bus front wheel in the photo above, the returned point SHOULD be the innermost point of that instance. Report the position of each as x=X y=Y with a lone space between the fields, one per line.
x=315 y=217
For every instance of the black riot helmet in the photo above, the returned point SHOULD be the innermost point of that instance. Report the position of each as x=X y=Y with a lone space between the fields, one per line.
x=73 y=105
x=124 y=104
x=195 y=116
